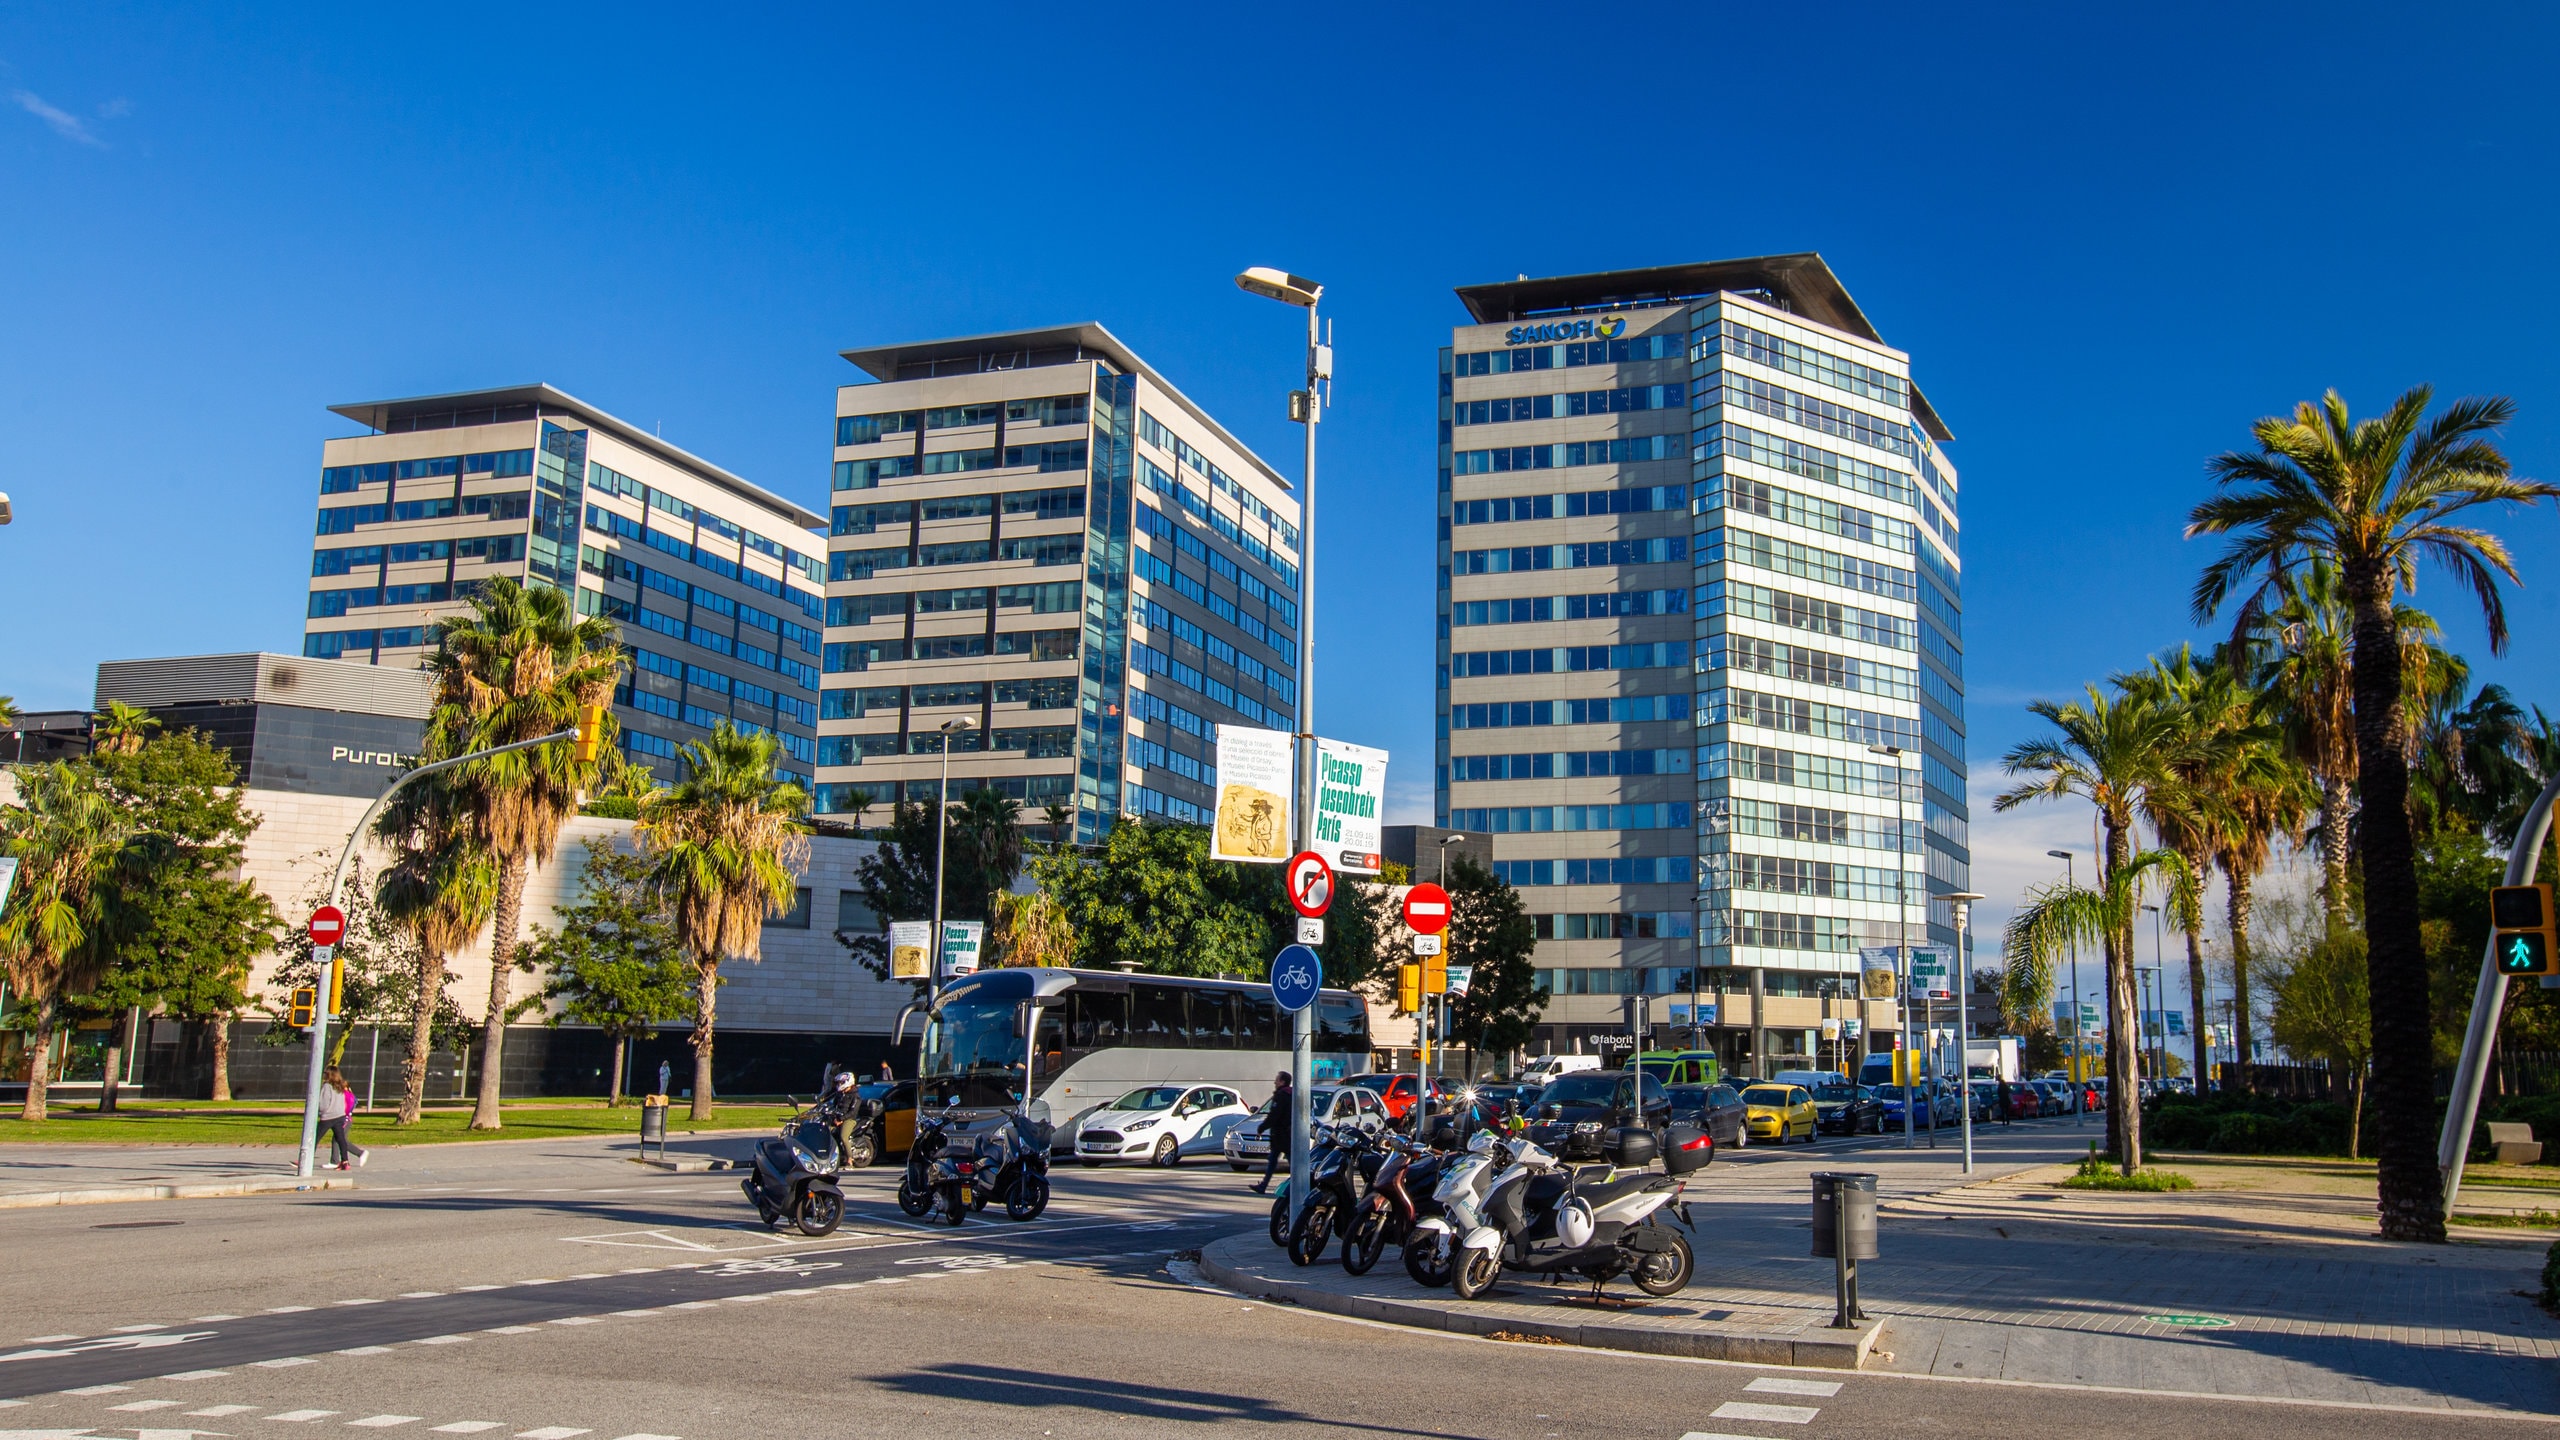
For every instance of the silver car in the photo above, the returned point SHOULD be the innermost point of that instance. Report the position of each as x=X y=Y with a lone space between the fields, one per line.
x=1334 y=1105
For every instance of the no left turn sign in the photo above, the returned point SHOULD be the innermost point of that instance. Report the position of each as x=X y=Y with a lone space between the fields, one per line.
x=1310 y=882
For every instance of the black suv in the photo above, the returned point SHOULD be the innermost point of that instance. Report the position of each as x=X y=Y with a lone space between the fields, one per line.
x=1570 y=1118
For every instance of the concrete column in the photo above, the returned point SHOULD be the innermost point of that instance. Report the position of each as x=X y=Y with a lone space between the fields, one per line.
x=1759 y=1026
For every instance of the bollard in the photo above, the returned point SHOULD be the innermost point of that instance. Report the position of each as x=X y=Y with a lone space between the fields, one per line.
x=1844 y=1232
x=653 y=1124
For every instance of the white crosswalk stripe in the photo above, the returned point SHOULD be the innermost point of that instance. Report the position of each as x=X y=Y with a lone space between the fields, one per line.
x=1772 y=1414
x=1780 y=1385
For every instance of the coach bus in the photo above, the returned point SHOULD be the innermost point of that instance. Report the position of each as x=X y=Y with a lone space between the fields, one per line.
x=1101 y=1034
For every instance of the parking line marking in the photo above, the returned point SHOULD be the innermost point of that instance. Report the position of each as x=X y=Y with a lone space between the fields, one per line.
x=579 y=1320
x=148 y=1405
x=137 y=1329
x=549 y=1432
x=1771 y=1414
x=420 y=1294
x=366 y=1350
x=287 y=1309
x=281 y=1364
x=210 y=1319
x=385 y=1422
x=512 y=1330
x=444 y=1340
x=1776 y=1385
x=98 y=1390
x=196 y=1375
x=50 y=1339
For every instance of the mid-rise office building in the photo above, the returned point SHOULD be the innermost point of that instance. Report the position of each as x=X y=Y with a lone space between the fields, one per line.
x=713 y=581
x=1699 y=647
x=1036 y=533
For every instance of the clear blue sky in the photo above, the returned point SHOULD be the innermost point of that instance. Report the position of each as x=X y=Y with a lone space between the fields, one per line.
x=2110 y=241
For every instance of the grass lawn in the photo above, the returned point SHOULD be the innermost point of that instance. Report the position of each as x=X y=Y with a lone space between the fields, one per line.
x=205 y=1123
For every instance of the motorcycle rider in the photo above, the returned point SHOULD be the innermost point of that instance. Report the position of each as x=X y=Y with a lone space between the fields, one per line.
x=1276 y=1126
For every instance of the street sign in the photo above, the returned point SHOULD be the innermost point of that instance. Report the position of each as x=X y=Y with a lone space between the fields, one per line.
x=1297 y=973
x=1426 y=909
x=960 y=940
x=1310 y=931
x=328 y=925
x=2526 y=942
x=1426 y=944
x=1310 y=883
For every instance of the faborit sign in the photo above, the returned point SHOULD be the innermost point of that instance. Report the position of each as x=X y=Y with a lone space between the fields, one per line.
x=1608 y=329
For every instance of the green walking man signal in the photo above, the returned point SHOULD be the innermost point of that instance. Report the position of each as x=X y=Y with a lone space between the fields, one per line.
x=2522 y=917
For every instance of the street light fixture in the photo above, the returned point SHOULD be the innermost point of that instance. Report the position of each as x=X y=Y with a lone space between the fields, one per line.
x=1962 y=903
x=1902 y=948
x=941 y=834
x=2079 y=1114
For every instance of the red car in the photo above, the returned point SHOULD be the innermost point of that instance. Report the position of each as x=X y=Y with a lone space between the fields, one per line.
x=1395 y=1092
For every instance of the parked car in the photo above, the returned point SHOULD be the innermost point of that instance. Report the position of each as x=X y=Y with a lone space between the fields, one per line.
x=1396 y=1092
x=895 y=1127
x=1845 y=1109
x=1809 y=1079
x=1246 y=1143
x=1156 y=1123
x=1574 y=1114
x=1924 y=1116
x=1716 y=1109
x=1781 y=1113
x=2024 y=1102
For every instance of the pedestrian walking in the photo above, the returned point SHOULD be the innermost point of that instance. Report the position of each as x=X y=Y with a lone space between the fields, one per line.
x=337 y=1105
x=885 y=1076
x=1276 y=1125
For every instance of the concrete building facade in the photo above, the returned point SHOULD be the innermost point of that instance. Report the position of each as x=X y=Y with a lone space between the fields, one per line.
x=713 y=582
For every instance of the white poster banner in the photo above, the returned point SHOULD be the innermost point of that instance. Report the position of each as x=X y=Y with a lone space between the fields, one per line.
x=1351 y=798
x=911 y=950
x=1880 y=977
x=961 y=940
x=1931 y=970
x=1254 y=782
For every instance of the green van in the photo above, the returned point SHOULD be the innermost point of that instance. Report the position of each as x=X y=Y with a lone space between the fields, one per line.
x=1681 y=1067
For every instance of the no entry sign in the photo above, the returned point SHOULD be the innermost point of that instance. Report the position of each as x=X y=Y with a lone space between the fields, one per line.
x=1426 y=909
x=1310 y=883
x=328 y=924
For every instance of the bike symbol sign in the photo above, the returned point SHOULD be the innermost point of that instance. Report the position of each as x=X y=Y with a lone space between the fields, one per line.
x=1296 y=975
x=1310 y=883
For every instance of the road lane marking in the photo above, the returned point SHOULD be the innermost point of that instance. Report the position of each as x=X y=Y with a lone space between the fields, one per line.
x=550 y=1432
x=1770 y=1414
x=98 y=1390
x=513 y=1330
x=297 y=1417
x=216 y=1412
x=49 y=1339
x=468 y=1427
x=385 y=1422
x=443 y=1340
x=137 y=1329
x=281 y=1364
x=211 y=1319
x=196 y=1375
x=420 y=1294
x=287 y=1309
x=579 y=1320
x=1775 y=1385
x=148 y=1405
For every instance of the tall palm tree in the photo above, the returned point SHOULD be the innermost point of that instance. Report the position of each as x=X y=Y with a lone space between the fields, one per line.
x=516 y=668
x=2109 y=752
x=69 y=837
x=441 y=888
x=726 y=842
x=2374 y=498
x=121 y=729
x=2260 y=796
x=2060 y=916
x=988 y=825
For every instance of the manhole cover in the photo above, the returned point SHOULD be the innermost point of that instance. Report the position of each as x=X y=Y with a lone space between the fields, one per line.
x=2189 y=1322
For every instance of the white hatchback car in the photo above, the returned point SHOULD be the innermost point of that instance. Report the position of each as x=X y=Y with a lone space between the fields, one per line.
x=1157 y=1122
x=1247 y=1143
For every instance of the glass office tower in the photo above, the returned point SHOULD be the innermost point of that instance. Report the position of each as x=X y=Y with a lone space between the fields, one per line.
x=1700 y=652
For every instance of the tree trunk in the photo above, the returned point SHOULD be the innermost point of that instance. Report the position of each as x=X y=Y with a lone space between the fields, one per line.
x=2412 y=1198
x=706 y=1003
x=2199 y=869
x=222 y=1058
x=2124 y=1064
x=502 y=962
x=613 y=1086
x=39 y=1062
x=2337 y=811
x=422 y=1017
x=2355 y=1117
x=2244 y=1050
x=115 y=1065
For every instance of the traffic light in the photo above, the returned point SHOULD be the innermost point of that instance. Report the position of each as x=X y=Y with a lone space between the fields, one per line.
x=590 y=732
x=300 y=1009
x=1408 y=989
x=1435 y=974
x=2522 y=917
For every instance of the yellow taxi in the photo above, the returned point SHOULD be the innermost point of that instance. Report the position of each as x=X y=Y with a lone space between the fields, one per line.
x=1780 y=1113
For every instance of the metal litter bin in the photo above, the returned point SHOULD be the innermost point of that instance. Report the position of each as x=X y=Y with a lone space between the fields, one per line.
x=1844 y=1232
x=653 y=1124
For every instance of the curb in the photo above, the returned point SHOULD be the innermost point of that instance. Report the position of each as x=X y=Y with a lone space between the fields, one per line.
x=117 y=1194
x=1833 y=1350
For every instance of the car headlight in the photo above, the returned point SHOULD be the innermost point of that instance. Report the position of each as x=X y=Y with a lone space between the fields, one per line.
x=1138 y=1125
x=1586 y=1127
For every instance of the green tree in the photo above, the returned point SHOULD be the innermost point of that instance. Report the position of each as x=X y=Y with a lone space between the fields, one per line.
x=440 y=889
x=1150 y=896
x=987 y=826
x=724 y=845
x=122 y=729
x=1491 y=933
x=896 y=883
x=2375 y=498
x=2214 y=725
x=615 y=963
x=74 y=843
x=517 y=667
x=2324 y=1007
x=378 y=958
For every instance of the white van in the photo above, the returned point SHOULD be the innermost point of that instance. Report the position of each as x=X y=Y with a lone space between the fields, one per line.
x=1810 y=1079
x=1546 y=1068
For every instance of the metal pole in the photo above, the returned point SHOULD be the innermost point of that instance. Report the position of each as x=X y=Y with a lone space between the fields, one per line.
x=941 y=837
x=1902 y=953
x=1302 y=1025
x=2488 y=998
x=337 y=886
x=1963 y=904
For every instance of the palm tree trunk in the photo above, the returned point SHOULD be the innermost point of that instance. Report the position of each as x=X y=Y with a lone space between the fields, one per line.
x=2355 y=1116
x=502 y=960
x=2337 y=811
x=705 y=1005
x=2199 y=869
x=2244 y=1050
x=39 y=1062
x=2395 y=960
x=422 y=1018
x=221 y=1057
x=2124 y=1064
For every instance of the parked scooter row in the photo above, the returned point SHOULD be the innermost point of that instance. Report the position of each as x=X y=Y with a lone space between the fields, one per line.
x=959 y=1168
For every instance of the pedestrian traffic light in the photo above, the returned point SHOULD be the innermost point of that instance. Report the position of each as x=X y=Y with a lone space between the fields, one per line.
x=1435 y=974
x=2522 y=918
x=299 y=1010
x=1408 y=989
x=590 y=732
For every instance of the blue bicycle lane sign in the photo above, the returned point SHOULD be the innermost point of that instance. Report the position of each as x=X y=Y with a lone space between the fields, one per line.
x=1297 y=973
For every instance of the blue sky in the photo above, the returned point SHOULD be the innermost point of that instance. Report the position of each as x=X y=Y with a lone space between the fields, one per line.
x=2110 y=239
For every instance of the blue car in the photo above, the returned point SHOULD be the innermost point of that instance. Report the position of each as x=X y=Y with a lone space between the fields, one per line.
x=1892 y=1095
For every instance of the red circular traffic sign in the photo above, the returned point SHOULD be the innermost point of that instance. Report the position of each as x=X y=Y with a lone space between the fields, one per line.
x=1310 y=882
x=1426 y=909
x=328 y=923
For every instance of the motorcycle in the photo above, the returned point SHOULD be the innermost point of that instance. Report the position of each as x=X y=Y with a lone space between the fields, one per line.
x=916 y=1193
x=794 y=1174
x=1465 y=1179
x=1388 y=1213
x=1008 y=1165
x=1600 y=1222
x=1334 y=1176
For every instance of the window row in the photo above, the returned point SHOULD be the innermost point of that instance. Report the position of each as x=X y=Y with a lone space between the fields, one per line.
x=1824 y=879
x=348 y=559
x=1567 y=659
x=1754 y=497
x=1154 y=433
x=1594 y=605
x=1624 y=350
x=1807 y=717
x=328 y=604
x=1779 y=353
x=345 y=479
x=1152 y=615
x=1148 y=660
x=1540 y=819
x=1155 y=709
x=1786 y=557
x=1568 y=453
x=1063 y=502
x=1614 y=980
x=1615 y=925
x=804 y=677
x=1772 y=766
x=1756 y=656
x=1569 y=764
x=622 y=527
x=1570 y=504
x=1599 y=870
x=1156 y=570
x=1742 y=392
x=619 y=567
x=854 y=656
x=1191 y=502
x=1606 y=710
x=1047 y=410
x=1056 y=597
x=1054 y=693
x=1799 y=612
x=331 y=644
x=1737 y=442
x=1815 y=824
x=1624 y=399
x=1149 y=753
x=614 y=482
x=1038 y=549
x=1515 y=559
x=847 y=796
x=1142 y=800
x=1032 y=742
x=343 y=519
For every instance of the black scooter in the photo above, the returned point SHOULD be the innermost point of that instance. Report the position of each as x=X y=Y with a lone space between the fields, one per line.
x=916 y=1194
x=1335 y=1177
x=794 y=1176
x=1007 y=1165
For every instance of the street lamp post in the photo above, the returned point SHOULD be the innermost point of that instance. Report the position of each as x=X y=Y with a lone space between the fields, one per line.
x=1307 y=408
x=1962 y=903
x=941 y=834
x=1902 y=946
x=2079 y=1115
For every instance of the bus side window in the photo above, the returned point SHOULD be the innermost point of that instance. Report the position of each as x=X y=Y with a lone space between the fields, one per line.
x=1341 y=1024
x=1213 y=1024
x=1097 y=1018
x=1155 y=1017
x=1050 y=1055
x=1262 y=1028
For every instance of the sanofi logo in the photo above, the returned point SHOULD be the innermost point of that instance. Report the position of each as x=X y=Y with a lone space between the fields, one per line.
x=1609 y=329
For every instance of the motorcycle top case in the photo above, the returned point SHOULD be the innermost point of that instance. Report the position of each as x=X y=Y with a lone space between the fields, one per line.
x=1686 y=1148
x=1630 y=1147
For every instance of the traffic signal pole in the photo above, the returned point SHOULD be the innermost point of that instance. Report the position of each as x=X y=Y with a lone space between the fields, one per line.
x=321 y=1015
x=2488 y=999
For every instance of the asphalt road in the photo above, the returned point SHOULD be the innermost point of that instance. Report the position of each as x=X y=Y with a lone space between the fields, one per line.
x=653 y=1305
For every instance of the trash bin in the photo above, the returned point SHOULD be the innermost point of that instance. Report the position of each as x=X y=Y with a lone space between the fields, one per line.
x=1858 y=1216
x=653 y=1124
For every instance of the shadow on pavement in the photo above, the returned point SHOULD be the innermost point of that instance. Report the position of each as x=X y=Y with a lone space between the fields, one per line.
x=1032 y=1390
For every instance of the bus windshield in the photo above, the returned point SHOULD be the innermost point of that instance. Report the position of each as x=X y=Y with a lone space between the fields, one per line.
x=977 y=1059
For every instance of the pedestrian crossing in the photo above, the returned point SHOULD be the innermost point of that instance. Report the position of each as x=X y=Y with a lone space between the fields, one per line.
x=1769 y=1412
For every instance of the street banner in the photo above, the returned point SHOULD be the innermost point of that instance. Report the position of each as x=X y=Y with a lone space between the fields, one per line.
x=1459 y=975
x=1879 y=977
x=911 y=950
x=1930 y=968
x=2177 y=1022
x=960 y=939
x=1830 y=1028
x=1850 y=1028
x=1254 y=785
x=1351 y=799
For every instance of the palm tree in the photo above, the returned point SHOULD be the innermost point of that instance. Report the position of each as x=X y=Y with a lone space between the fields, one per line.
x=2260 y=796
x=69 y=836
x=2110 y=752
x=123 y=729
x=727 y=841
x=441 y=889
x=2060 y=916
x=516 y=668
x=988 y=826
x=2374 y=498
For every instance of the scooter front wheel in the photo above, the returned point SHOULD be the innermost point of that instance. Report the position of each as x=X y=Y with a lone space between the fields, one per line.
x=1314 y=1229
x=1425 y=1261
x=1366 y=1242
x=1666 y=1272
x=914 y=1199
x=821 y=1211
x=1474 y=1273
x=1030 y=1196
